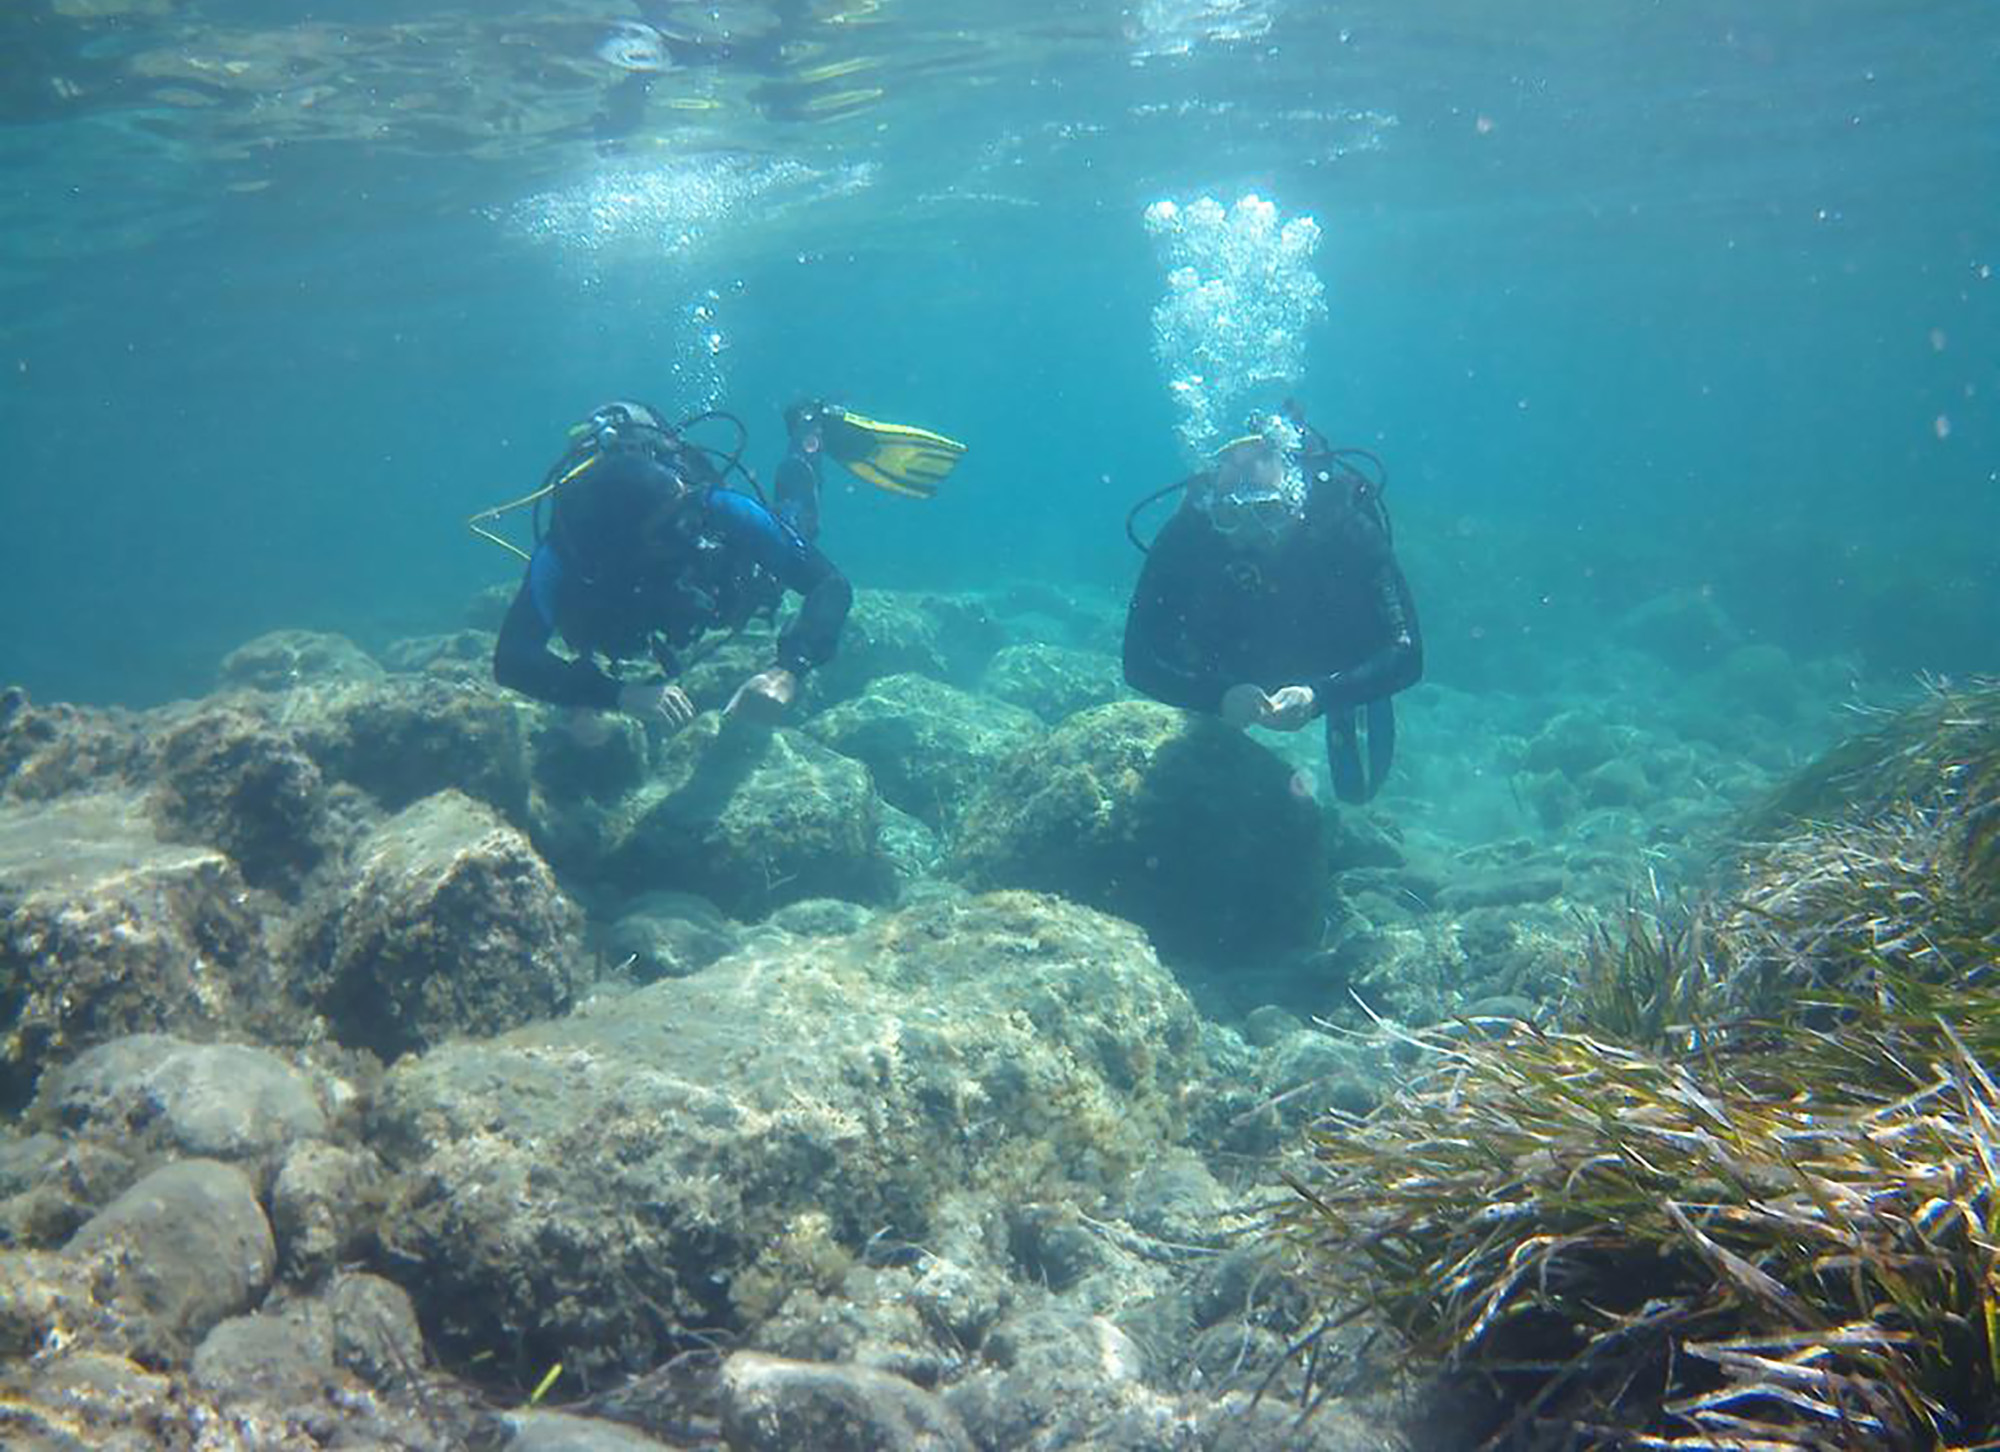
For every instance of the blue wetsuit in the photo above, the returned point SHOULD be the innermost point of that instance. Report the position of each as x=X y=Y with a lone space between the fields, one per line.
x=727 y=558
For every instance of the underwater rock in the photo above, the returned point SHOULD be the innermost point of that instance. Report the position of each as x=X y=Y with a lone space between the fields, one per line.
x=1053 y=681
x=1686 y=629
x=49 y=1186
x=911 y=849
x=821 y=917
x=457 y=655
x=105 y=930
x=319 y=1206
x=598 y=761
x=404 y=738
x=927 y=745
x=595 y=1188
x=1090 y=621
x=1574 y=742
x=1054 y=1378
x=46 y=1299
x=162 y=1096
x=278 y=1360
x=770 y=1404
x=342 y=1368
x=83 y=1398
x=892 y=632
x=284 y=659
x=538 y=1431
x=52 y=751
x=181 y=1250
x=452 y=925
x=669 y=935
x=749 y=817
x=1618 y=783
x=1172 y=821
x=1500 y=887
x=229 y=779
x=375 y=1331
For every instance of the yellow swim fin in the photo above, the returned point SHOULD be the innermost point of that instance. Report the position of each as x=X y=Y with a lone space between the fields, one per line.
x=900 y=458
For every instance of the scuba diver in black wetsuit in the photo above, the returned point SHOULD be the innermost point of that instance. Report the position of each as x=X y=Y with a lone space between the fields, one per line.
x=647 y=550
x=1273 y=596
x=796 y=484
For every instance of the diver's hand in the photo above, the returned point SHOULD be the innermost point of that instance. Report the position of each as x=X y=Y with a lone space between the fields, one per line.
x=1289 y=708
x=764 y=696
x=656 y=701
x=1245 y=705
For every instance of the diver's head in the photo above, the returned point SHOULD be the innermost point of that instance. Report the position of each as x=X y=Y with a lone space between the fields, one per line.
x=622 y=425
x=805 y=423
x=1254 y=492
x=627 y=512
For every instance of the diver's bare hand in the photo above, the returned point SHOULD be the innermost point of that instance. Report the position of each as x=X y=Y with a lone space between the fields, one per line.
x=1289 y=708
x=764 y=696
x=1245 y=705
x=656 y=701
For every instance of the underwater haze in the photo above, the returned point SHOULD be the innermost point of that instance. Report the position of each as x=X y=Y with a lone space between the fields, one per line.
x=1630 y=297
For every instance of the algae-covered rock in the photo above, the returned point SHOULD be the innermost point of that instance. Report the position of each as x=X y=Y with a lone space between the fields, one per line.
x=451 y=925
x=596 y=1188
x=284 y=659
x=749 y=818
x=1174 y=821
x=231 y=779
x=51 y=751
x=892 y=632
x=1054 y=681
x=49 y=1185
x=403 y=738
x=320 y=1206
x=105 y=930
x=927 y=745
x=669 y=935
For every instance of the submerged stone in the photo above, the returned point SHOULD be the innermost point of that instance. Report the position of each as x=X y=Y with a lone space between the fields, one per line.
x=1173 y=821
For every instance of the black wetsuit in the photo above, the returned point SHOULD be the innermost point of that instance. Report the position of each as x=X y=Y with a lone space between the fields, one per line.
x=728 y=559
x=796 y=488
x=1325 y=606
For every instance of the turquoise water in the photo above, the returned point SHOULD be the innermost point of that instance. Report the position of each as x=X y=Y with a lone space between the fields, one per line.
x=1632 y=298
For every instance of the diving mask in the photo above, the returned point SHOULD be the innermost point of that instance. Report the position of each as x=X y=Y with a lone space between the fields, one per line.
x=1257 y=491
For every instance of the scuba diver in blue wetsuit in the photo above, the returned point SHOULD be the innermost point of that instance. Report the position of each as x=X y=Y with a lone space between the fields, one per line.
x=1272 y=598
x=646 y=550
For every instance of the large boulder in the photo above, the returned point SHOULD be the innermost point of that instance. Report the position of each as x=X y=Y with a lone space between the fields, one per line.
x=50 y=751
x=160 y=1095
x=230 y=778
x=598 y=1188
x=1054 y=681
x=183 y=1248
x=1180 y=824
x=451 y=925
x=748 y=817
x=403 y=738
x=892 y=632
x=105 y=930
x=282 y=660
x=927 y=745
x=770 y=1404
